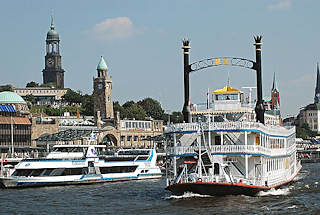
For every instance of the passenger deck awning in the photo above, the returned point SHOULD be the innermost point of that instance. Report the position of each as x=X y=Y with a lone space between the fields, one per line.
x=7 y=108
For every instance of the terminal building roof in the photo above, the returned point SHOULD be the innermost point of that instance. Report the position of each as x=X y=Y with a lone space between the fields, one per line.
x=67 y=135
x=8 y=97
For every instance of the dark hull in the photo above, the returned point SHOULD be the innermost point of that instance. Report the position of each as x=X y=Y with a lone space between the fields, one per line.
x=216 y=189
x=223 y=189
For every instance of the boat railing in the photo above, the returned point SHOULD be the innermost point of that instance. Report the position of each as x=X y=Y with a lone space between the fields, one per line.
x=247 y=149
x=245 y=125
x=192 y=178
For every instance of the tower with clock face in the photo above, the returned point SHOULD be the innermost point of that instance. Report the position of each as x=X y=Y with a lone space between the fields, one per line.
x=102 y=92
x=53 y=72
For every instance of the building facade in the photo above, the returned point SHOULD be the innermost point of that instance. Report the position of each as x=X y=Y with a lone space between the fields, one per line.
x=53 y=72
x=15 y=126
x=310 y=114
x=43 y=96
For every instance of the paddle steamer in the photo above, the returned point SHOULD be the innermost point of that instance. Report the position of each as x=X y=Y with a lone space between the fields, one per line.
x=224 y=150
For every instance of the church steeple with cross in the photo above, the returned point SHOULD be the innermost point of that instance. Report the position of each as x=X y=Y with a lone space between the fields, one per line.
x=317 y=90
x=53 y=72
x=275 y=95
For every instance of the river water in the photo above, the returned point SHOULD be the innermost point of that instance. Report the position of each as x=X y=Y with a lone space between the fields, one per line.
x=149 y=197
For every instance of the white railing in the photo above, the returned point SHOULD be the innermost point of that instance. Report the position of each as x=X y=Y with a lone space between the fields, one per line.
x=269 y=129
x=249 y=149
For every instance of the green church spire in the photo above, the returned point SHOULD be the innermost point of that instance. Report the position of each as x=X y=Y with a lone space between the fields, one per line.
x=102 y=64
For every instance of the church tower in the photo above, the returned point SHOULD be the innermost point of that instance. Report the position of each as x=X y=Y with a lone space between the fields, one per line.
x=53 y=72
x=102 y=92
x=317 y=91
x=275 y=96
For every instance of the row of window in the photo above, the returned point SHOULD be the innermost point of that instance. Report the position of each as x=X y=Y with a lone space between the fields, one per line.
x=141 y=125
x=39 y=91
x=16 y=138
x=135 y=138
x=275 y=164
x=22 y=143
x=71 y=171
x=227 y=97
x=312 y=114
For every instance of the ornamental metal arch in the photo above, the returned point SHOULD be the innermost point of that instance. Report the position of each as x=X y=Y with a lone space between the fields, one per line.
x=222 y=61
x=226 y=61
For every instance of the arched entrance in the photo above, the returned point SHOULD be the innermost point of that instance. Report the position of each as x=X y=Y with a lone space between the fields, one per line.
x=109 y=140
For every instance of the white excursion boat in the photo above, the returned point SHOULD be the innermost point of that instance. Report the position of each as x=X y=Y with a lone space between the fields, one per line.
x=75 y=164
x=224 y=151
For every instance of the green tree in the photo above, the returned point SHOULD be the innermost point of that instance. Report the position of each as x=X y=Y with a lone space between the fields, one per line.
x=72 y=96
x=117 y=107
x=52 y=111
x=87 y=105
x=7 y=87
x=32 y=84
x=176 y=117
x=30 y=98
x=152 y=108
x=128 y=104
x=305 y=132
x=135 y=111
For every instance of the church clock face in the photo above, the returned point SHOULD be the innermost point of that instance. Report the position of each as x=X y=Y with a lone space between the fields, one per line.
x=99 y=86
x=49 y=62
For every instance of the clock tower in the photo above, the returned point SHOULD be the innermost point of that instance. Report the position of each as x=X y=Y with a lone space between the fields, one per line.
x=53 y=72
x=102 y=92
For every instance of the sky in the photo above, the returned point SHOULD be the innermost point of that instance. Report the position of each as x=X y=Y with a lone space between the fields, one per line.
x=141 y=43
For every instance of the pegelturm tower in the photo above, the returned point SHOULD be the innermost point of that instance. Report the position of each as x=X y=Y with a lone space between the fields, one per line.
x=53 y=72
x=102 y=92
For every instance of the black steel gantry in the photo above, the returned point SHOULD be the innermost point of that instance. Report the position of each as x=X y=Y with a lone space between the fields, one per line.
x=227 y=61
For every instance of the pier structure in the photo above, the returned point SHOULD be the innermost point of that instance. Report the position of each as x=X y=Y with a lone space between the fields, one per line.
x=220 y=61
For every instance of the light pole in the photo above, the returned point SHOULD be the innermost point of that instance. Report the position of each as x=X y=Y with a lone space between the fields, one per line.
x=12 y=147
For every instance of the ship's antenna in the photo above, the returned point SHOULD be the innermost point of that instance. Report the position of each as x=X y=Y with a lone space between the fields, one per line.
x=228 y=83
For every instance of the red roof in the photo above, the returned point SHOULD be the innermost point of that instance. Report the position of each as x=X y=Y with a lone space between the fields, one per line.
x=15 y=120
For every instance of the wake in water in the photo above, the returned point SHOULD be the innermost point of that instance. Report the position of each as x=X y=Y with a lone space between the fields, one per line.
x=187 y=195
x=275 y=192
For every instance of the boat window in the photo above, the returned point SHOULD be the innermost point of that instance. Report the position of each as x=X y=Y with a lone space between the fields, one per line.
x=134 y=152
x=216 y=170
x=22 y=172
x=72 y=171
x=36 y=172
x=84 y=170
x=46 y=172
x=57 y=172
x=227 y=97
x=117 y=169
x=90 y=164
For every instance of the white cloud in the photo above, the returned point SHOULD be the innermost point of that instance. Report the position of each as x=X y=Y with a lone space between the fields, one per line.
x=279 y=5
x=113 y=28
